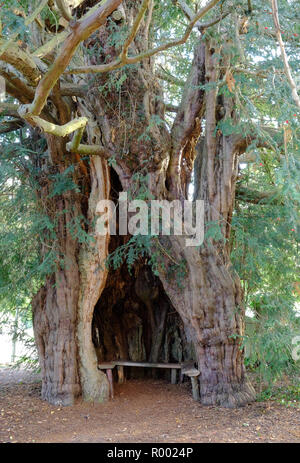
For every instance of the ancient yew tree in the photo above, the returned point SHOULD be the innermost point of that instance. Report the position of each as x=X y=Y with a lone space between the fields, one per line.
x=88 y=84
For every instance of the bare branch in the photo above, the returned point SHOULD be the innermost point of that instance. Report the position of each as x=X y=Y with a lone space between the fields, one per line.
x=251 y=157
x=49 y=127
x=73 y=90
x=213 y=22
x=91 y=150
x=284 y=55
x=148 y=22
x=237 y=38
x=250 y=72
x=212 y=76
x=134 y=29
x=16 y=93
x=63 y=108
x=116 y=64
x=187 y=124
x=189 y=13
x=48 y=46
x=61 y=36
x=73 y=147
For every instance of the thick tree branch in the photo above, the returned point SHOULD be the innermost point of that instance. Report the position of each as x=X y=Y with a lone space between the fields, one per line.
x=49 y=127
x=74 y=144
x=51 y=44
x=61 y=36
x=16 y=93
x=284 y=55
x=212 y=77
x=251 y=157
x=81 y=30
x=134 y=29
x=22 y=61
x=91 y=150
x=251 y=72
x=73 y=90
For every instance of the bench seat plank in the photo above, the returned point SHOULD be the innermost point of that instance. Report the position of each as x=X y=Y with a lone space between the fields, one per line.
x=128 y=363
x=186 y=369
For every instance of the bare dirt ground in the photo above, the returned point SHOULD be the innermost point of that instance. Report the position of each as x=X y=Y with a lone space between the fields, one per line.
x=142 y=411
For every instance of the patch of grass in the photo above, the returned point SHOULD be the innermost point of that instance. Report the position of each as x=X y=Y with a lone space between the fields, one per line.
x=288 y=395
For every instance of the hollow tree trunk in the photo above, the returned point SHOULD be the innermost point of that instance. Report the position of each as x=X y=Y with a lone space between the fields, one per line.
x=209 y=300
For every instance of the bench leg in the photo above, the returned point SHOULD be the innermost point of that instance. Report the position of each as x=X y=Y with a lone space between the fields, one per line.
x=121 y=378
x=111 y=382
x=195 y=387
x=173 y=376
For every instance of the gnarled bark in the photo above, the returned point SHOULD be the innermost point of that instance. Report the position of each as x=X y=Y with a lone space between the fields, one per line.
x=55 y=306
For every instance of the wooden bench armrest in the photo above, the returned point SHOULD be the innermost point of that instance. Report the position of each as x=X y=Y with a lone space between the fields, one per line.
x=105 y=366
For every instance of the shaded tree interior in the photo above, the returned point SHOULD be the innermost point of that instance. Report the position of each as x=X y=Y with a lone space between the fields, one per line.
x=134 y=318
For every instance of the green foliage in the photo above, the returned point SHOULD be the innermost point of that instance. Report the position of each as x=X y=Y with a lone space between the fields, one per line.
x=177 y=271
x=288 y=395
x=139 y=246
x=63 y=182
x=265 y=255
x=213 y=232
x=29 y=249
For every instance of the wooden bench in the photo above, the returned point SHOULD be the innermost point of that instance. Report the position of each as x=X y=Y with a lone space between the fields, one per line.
x=187 y=369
